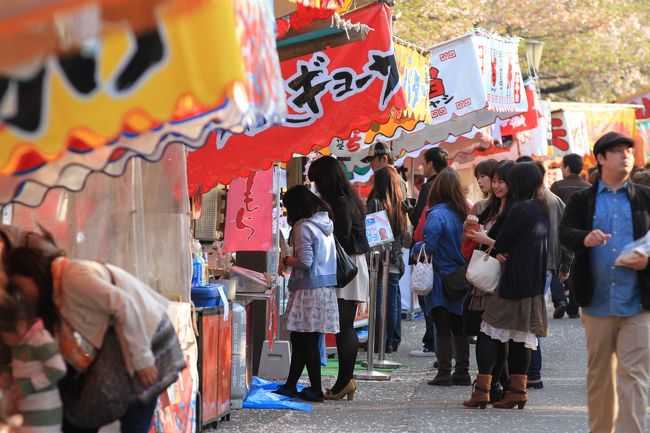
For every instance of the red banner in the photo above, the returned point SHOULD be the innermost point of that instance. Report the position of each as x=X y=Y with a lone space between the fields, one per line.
x=329 y=94
x=249 y=215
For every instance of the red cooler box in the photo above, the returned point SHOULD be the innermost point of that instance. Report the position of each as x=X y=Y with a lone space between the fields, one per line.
x=214 y=364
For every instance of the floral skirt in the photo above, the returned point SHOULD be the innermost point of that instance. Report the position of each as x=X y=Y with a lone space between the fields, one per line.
x=312 y=310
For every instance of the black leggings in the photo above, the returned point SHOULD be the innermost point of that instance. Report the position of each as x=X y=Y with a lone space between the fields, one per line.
x=490 y=351
x=347 y=344
x=305 y=351
x=447 y=323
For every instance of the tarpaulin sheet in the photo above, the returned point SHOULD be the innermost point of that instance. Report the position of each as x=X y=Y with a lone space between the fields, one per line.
x=261 y=396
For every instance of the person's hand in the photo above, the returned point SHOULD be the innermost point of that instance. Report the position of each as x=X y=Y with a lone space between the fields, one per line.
x=148 y=376
x=502 y=258
x=637 y=261
x=564 y=276
x=281 y=268
x=479 y=237
x=470 y=221
x=595 y=238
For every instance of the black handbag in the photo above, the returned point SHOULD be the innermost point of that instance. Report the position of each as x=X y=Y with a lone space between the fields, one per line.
x=346 y=270
x=455 y=285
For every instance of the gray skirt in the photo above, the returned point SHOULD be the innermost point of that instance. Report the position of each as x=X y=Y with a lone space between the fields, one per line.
x=312 y=310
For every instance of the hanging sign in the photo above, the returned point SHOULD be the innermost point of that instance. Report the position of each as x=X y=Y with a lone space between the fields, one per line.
x=329 y=94
x=473 y=81
x=414 y=76
x=249 y=213
x=524 y=121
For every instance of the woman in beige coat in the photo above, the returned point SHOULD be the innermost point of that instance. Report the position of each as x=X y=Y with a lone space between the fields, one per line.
x=95 y=300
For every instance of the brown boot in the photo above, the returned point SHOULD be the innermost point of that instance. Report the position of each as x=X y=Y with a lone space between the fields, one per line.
x=481 y=392
x=443 y=353
x=516 y=394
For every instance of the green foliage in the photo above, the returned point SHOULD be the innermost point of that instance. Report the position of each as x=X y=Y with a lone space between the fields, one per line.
x=595 y=50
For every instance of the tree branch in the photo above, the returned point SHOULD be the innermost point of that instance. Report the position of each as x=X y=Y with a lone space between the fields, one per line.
x=559 y=88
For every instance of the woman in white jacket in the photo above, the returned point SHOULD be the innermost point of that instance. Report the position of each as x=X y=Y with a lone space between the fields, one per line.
x=312 y=308
x=96 y=299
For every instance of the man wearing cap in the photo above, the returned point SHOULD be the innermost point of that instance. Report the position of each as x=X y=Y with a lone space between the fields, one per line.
x=598 y=222
x=380 y=156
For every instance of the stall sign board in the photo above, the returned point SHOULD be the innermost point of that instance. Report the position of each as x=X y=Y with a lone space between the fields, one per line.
x=378 y=229
x=249 y=213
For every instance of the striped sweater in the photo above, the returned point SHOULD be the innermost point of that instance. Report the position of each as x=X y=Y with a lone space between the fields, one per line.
x=36 y=367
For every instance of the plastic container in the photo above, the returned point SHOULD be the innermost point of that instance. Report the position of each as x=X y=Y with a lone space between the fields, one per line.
x=238 y=385
x=249 y=281
x=207 y=296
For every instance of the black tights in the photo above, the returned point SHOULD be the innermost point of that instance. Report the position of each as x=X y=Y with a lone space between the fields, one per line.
x=490 y=351
x=305 y=351
x=500 y=369
x=447 y=323
x=347 y=344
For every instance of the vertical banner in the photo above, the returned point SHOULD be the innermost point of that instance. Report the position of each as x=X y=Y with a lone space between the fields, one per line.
x=249 y=213
x=414 y=77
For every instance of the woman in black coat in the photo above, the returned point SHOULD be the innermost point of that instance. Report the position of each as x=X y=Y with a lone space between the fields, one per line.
x=350 y=230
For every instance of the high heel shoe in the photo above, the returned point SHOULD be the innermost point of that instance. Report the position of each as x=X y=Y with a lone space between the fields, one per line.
x=348 y=391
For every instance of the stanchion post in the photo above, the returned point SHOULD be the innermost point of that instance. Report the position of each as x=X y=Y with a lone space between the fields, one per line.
x=381 y=362
x=370 y=373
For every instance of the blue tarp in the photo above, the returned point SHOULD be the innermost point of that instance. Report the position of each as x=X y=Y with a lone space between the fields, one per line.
x=261 y=396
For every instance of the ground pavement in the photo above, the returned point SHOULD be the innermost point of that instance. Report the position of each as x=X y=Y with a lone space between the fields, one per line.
x=407 y=404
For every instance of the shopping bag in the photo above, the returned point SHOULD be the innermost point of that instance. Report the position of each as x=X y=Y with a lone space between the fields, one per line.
x=484 y=271
x=422 y=275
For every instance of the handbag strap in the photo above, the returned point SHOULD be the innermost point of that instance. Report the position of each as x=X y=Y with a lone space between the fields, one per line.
x=426 y=258
x=487 y=253
x=57 y=267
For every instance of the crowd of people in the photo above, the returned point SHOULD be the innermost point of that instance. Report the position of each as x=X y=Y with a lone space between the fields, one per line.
x=86 y=343
x=548 y=242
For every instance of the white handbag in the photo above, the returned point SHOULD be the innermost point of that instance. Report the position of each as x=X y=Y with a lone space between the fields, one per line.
x=422 y=275
x=484 y=271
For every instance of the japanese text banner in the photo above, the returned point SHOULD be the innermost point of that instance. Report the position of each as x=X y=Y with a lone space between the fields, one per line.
x=330 y=93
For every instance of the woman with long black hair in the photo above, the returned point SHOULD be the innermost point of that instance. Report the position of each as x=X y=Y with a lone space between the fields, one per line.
x=311 y=309
x=492 y=219
x=350 y=230
x=516 y=315
x=387 y=195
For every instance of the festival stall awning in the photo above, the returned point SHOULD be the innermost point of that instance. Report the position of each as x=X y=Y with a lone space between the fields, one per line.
x=330 y=93
x=642 y=99
x=133 y=95
x=576 y=126
x=413 y=65
x=474 y=80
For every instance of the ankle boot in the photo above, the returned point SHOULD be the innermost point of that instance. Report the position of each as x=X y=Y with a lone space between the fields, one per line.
x=481 y=392
x=515 y=394
x=461 y=371
x=443 y=352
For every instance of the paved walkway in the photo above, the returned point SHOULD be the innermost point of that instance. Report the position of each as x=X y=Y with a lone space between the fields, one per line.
x=407 y=404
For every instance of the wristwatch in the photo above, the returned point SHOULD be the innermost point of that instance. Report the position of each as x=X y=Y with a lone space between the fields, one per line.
x=284 y=261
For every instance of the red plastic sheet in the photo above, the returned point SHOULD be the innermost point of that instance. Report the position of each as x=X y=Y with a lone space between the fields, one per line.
x=329 y=94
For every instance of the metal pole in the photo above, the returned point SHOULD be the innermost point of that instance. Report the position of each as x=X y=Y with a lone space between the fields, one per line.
x=370 y=373
x=381 y=362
